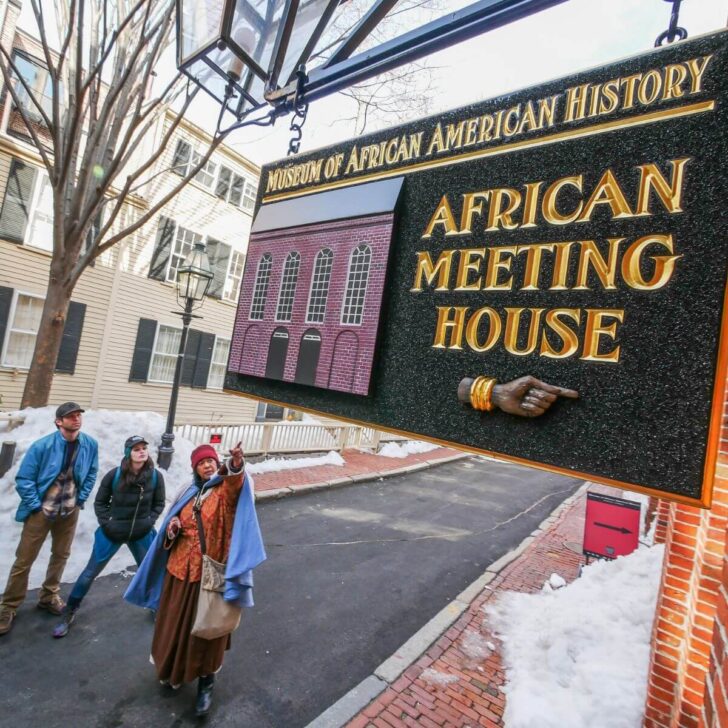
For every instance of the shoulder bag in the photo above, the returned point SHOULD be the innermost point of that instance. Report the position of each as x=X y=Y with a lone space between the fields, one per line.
x=215 y=617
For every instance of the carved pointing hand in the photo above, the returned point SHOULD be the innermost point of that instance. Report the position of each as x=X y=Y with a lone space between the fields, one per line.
x=528 y=396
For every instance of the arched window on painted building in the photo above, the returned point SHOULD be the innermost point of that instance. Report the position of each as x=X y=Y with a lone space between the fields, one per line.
x=356 y=285
x=289 y=280
x=260 y=292
x=319 y=287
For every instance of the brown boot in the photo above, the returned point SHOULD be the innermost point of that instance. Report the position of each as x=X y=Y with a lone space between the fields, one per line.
x=7 y=616
x=54 y=605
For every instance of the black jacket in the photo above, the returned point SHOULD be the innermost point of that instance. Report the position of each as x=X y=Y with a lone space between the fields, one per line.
x=129 y=513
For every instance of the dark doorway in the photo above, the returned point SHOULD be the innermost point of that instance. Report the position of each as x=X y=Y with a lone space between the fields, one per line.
x=308 y=357
x=277 y=352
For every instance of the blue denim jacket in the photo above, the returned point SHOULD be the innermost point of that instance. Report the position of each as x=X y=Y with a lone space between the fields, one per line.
x=42 y=465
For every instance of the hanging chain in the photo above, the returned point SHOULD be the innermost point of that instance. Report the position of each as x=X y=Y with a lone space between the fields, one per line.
x=300 y=109
x=674 y=31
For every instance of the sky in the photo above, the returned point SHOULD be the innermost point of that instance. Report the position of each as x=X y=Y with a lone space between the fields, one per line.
x=576 y=35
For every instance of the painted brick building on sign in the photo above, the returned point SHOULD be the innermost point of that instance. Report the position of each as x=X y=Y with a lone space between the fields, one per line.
x=312 y=289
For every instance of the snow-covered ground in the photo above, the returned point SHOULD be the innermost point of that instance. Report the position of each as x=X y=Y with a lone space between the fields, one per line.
x=110 y=428
x=403 y=449
x=577 y=655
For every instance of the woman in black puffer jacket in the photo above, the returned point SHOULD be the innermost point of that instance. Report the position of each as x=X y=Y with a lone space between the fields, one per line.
x=129 y=501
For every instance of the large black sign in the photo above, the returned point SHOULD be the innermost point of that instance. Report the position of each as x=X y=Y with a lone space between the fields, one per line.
x=573 y=232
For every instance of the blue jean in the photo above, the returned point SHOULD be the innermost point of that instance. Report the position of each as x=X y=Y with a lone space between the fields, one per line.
x=95 y=565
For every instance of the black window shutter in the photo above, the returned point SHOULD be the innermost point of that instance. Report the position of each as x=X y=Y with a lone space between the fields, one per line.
x=143 y=350
x=162 y=249
x=181 y=158
x=6 y=298
x=223 y=182
x=204 y=356
x=16 y=205
x=219 y=256
x=190 y=359
x=68 y=352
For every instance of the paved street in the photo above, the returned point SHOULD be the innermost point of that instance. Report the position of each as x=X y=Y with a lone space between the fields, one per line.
x=351 y=574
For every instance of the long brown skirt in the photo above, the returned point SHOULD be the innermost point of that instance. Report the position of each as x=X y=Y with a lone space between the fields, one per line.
x=178 y=656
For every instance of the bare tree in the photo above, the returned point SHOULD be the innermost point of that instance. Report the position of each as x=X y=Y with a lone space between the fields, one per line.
x=88 y=134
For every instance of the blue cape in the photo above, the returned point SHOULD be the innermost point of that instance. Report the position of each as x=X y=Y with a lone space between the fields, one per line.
x=246 y=552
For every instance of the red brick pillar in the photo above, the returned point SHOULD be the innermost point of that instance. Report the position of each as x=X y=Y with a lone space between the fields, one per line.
x=687 y=686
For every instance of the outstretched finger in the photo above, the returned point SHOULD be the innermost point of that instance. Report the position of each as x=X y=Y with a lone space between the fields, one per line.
x=554 y=389
x=533 y=410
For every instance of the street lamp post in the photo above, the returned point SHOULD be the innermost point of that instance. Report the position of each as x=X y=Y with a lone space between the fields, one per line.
x=193 y=280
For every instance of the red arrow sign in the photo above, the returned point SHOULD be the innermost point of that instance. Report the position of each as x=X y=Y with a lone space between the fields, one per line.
x=612 y=526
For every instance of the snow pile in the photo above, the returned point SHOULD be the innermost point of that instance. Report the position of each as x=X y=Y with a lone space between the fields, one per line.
x=402 y=450
x=441 y=679
x=578 y=656
x=110 y=429
x=274 y=464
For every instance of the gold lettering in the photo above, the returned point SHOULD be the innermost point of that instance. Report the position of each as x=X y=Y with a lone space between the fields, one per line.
x=353 y=164
x=664 y=264
x=696 y=72
x=595 y=329
x=645 y=94
x=547 y=111
x=530 y=206
x=561 y=266
x=437 y=143
x=629 y=84
x=426 y=271
x=513 y=321
x=454 y=326
x=610 y=97
x=562 y=330
x=606 y=270
x=675 y=75
x=504 y=217
x=576 y=102
x=454 y=138
x=607 y=192
x=442 y=216
x=548 y=207
x=470 y=260
x=496 y=264
x=669 y=194
x=470 y=209
x=494 y=330
x=528 y=120
x=533 y=263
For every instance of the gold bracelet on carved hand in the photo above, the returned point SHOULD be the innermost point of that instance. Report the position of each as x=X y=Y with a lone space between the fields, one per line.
x=481 y=394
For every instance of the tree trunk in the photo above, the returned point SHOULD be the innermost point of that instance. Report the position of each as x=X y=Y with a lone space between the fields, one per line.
x=48 y=342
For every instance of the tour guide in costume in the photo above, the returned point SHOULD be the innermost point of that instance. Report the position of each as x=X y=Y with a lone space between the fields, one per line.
x=168 y=579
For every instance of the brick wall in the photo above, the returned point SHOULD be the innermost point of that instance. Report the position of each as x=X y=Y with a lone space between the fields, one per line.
x=688 y=677
x=347 y=351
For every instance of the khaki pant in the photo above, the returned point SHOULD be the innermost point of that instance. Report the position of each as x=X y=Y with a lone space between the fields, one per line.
x=35 y=531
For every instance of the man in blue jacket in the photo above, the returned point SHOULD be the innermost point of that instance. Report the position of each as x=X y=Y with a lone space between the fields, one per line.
x=54 y=480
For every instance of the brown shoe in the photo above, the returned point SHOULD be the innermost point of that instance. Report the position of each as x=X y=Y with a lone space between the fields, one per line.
x=7 y=616
x=54 y=605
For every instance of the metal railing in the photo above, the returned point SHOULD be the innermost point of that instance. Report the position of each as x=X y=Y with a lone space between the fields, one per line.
x=265 y=438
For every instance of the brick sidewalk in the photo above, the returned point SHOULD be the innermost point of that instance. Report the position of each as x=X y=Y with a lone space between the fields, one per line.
x=358 y=463
x=451 y=684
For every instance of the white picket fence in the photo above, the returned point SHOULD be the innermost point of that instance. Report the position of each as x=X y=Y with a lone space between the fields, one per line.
x=284 y=437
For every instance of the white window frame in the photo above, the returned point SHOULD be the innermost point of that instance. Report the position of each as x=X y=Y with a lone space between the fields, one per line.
x=235 y=289
x=154 y=352
x=328 y=287
x=9 y=328
x=295 y=286
x=255 y=288
x=40 y=178
x=346 y=287
x=212 y=361
x=172 y=253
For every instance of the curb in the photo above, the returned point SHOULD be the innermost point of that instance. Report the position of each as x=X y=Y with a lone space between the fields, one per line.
x=277 y=493
x=351 y=704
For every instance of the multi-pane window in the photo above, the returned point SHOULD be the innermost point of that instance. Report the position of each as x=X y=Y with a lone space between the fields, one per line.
x=206 y=175
x=288 y=287
x=249 y=195
x=216 y=377
x=39 y=81
x=184 y=240
x=22 y=330
x=236 y=190
x=320 y=286
x=260 y=292
x=234 y=276
x=164 y=355
x=356 y=285
x=269 y=412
